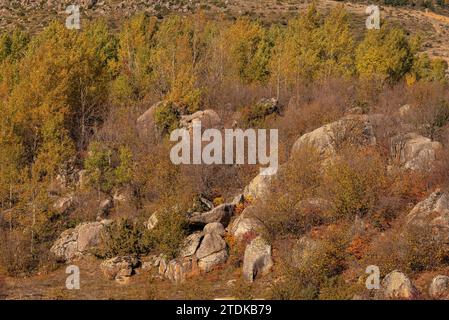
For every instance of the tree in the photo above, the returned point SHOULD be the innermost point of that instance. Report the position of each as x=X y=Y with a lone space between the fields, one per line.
x=386 y=54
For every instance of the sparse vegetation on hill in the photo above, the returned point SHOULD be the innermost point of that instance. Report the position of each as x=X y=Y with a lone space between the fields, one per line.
x=363 y=124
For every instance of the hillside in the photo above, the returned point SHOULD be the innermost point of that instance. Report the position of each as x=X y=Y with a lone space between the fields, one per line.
x=135 y=163
x=34 y=15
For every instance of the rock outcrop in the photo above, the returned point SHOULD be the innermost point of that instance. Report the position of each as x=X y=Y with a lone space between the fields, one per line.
x=257 y=259
x=221 y=214
x=208 y=118
x=119 y=268
x=414 y=152
x=439 y=288
x=79 y=241
x=246 y=224
x=433 y=211
x=354 y=129
x=146 y=125
x=397 y=286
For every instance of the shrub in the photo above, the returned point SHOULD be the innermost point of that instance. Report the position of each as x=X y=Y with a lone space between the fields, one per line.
x=283 y=212
x=355 y=182
x=123 y=237
x=169 y=232
x=415 y=249
x=166 y=117
x=324 y=264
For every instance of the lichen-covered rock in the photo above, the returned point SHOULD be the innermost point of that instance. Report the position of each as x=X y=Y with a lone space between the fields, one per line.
x=396 y=285
x=119 y=267
x=433 y=211
x=209 y=119
x=257 y=259
x=245 y=224
x=214 y=227
x=414 y=151
x=190 y=244
x=355 y=129
x=439 y=288
x=76 y=242
x=221 y=214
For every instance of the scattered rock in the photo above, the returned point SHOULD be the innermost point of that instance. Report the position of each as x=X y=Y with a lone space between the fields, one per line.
x=208 y=118
x=119 y=267
x=179 y=269
x=207 y=203
x=152 y=221
x=244 y=224
x=190 y=244
x=433 y=211
x=79 y=241
x=64 y=204
x=396 y=285
x=257 y=259
x=355 y=129
x=146 y=125
x=207 y=263
x=414 y=151
x=214 y=227
x=439 y=287
x=221 y=214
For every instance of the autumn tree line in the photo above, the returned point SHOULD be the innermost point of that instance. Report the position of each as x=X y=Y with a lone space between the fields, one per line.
x=69 y=98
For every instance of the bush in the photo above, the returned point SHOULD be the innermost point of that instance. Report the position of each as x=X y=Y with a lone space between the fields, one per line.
x=124 y=237
x=169 y=232
x=355 y=182
x=323 y=265
x=415 y=249
x=283 y=212
x=166 y=117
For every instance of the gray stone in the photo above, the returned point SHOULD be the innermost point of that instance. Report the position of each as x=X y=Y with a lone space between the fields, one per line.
x=396 y=285
x=257 y=259
x=214 y=227
x=119 y=267
x=211 y=243
x=207 y=263
x=434 y=212
x=79 y=241
x=190 y=244
x=439 y=288
x=414 y=152
x=221 y=214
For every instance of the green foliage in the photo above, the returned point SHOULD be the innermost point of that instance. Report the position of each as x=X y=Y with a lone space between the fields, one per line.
x=166 y=117
x=108 y=169
x=430 y=70
x=355 y=183
x=169 y=232
x=124 y=237
x=386 y=54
